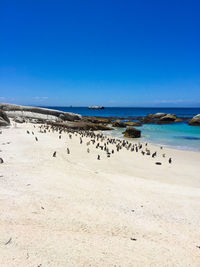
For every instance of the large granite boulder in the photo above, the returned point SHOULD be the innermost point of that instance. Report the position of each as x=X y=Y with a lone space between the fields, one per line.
x=132 y=123
x=14 y=111
x=160 y=118
x=168 y=118
x=118 y=123
x=132 y=132
x=4 y=116
x=195 y=121
x=4 y=120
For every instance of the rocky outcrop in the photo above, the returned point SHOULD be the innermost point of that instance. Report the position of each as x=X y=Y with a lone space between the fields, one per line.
x=3 y=123
x=118 y=123
x=132 y=132
x=195 y=121
x=4 y=120
x=131 y=123
x=14 y=111
x=160 y=118
x=168 y=118
x=19 y=120
x=82 y=125
x=97 y=120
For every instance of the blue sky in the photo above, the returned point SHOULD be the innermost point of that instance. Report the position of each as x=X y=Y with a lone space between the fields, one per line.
x=111 y=53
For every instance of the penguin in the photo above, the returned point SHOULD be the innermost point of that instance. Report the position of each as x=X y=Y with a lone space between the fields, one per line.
x=54 y=154
x=170 y=160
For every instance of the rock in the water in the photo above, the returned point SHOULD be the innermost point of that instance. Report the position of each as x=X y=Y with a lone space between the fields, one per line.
x=97 y=120
x=160 y=118
x=19 y=120
x=195 y=121
x=168 y=118
x=118 y=123
x=132 y=132
x=131 y=123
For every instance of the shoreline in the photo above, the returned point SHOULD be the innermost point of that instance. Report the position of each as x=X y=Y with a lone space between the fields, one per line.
x=143 y=140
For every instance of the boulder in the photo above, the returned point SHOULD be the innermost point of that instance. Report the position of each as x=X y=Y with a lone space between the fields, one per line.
x=131 y=123
x=132 y=132
x=118 y=123
x=97 y=120
x=195 y=121
x=156 y=116
x=3 y=122
x=19 y=120
x=159 y=115
x=160 y=118
x=4 y=116
x=168 y=118
x=37 y=112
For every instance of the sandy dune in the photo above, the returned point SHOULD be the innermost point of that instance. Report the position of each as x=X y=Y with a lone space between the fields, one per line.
x=75 y=210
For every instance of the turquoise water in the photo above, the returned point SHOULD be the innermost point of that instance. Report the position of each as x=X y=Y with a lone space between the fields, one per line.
x=179 y=136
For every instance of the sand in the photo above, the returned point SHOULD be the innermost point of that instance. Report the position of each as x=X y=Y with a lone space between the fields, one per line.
x=75 y=210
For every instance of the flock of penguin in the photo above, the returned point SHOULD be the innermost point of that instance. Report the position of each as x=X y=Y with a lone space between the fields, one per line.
x=100 y=142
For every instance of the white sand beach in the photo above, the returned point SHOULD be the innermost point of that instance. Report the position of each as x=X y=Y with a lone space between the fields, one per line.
x=75 y=210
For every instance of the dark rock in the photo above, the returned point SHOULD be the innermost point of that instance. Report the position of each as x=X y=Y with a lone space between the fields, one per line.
x=195 y=121
x=4 y=116
x=118 y=123
x=97 y=120
x=168 y=118
x=131 y=123
x=82 y=125
x=3 y=123
x=132 y=132
x=160 y=118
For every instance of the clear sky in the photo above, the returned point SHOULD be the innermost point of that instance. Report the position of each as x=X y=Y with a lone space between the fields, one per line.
x=111 y=53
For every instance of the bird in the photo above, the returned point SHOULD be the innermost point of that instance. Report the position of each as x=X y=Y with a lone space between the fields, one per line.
x=54 y=154
x=36 y=139
x=98 y=157
x=28 y=132
x=170 y=160
x=158 y=163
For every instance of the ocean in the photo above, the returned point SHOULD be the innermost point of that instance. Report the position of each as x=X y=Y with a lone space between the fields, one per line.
x=179 y=135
